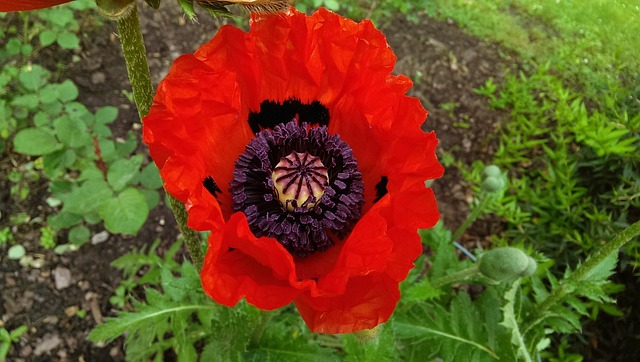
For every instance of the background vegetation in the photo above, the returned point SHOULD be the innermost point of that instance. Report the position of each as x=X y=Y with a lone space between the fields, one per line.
x=569 y=181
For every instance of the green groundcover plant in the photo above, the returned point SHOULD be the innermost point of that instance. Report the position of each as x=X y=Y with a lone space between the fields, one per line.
x=297 y=152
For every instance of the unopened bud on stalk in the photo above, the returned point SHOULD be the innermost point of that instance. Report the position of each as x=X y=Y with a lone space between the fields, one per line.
x=491 y=171
x=506 y=264
x=115 y=9
x=492 y=180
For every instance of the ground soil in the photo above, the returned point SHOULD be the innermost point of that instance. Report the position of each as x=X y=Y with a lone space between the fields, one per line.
x=445 y=63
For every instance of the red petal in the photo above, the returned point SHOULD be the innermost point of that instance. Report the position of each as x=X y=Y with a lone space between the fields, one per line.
x=15 y=5
x=367 y=301
x=240 y=265
x=202 y=130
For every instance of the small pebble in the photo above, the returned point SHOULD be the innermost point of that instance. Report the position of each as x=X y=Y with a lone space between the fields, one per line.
x=100 y=237
x=62 y=277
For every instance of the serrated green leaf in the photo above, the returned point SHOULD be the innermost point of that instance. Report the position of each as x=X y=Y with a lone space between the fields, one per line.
x=187 y=7
x=142 y=319
x=121 y=172
x=126 y=213
x=35 y=142
x=510 y=321
x=605 y=269
x=421 y=291
x=428 y=330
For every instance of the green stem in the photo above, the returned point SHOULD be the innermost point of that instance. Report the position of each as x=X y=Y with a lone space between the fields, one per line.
x=135 y=57
x=471 y=218
x=584 y=269
x=191 y=237
x=138 y=70
x=459 y=276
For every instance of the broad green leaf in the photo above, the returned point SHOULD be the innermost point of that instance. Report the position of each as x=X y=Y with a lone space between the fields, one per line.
x=88 y=197
x=79 y=235
x=152 y=197
x=123 y=171
x=68 y=40
x=41 y=119
x=29 y=101
x=63 y=220
x=107 y=150
x=58 y=161
x=106 y=115
x=13 y=46
x=33 y=77
x=35 y=142
x=125 y=149
x=126 y=213
x=72 y=132
x=150 y=177
x=48 y=93
x=67 y=91
x=47 y=37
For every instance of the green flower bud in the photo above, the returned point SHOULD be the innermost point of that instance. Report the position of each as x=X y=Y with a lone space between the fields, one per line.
x=506 y=264
x=492 y=184
x=491 y=171
x=368 y=335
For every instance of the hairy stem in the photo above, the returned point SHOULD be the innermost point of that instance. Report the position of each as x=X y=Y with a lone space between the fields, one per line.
x=471 y=218
x=584 y=269
x=459 y=276
x=138 y=70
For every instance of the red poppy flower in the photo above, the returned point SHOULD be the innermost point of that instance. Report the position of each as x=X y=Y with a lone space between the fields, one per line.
x=301 y=152
x=20 y=5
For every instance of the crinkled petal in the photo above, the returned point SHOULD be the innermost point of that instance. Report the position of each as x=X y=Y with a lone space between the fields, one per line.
x=367 y=301
x=239 y=265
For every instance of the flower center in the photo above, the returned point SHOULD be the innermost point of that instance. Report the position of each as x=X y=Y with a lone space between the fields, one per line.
x=299 y=180
x=299 y=185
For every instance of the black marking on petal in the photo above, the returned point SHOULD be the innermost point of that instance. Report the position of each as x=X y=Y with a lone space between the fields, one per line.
x=381 y=188
x=272 y=113
x=211 y=186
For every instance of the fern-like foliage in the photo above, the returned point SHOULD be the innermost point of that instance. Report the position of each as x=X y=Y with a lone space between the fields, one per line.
x=465 y=331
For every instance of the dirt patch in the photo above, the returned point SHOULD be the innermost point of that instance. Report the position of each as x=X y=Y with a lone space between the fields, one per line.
x=445 y=63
